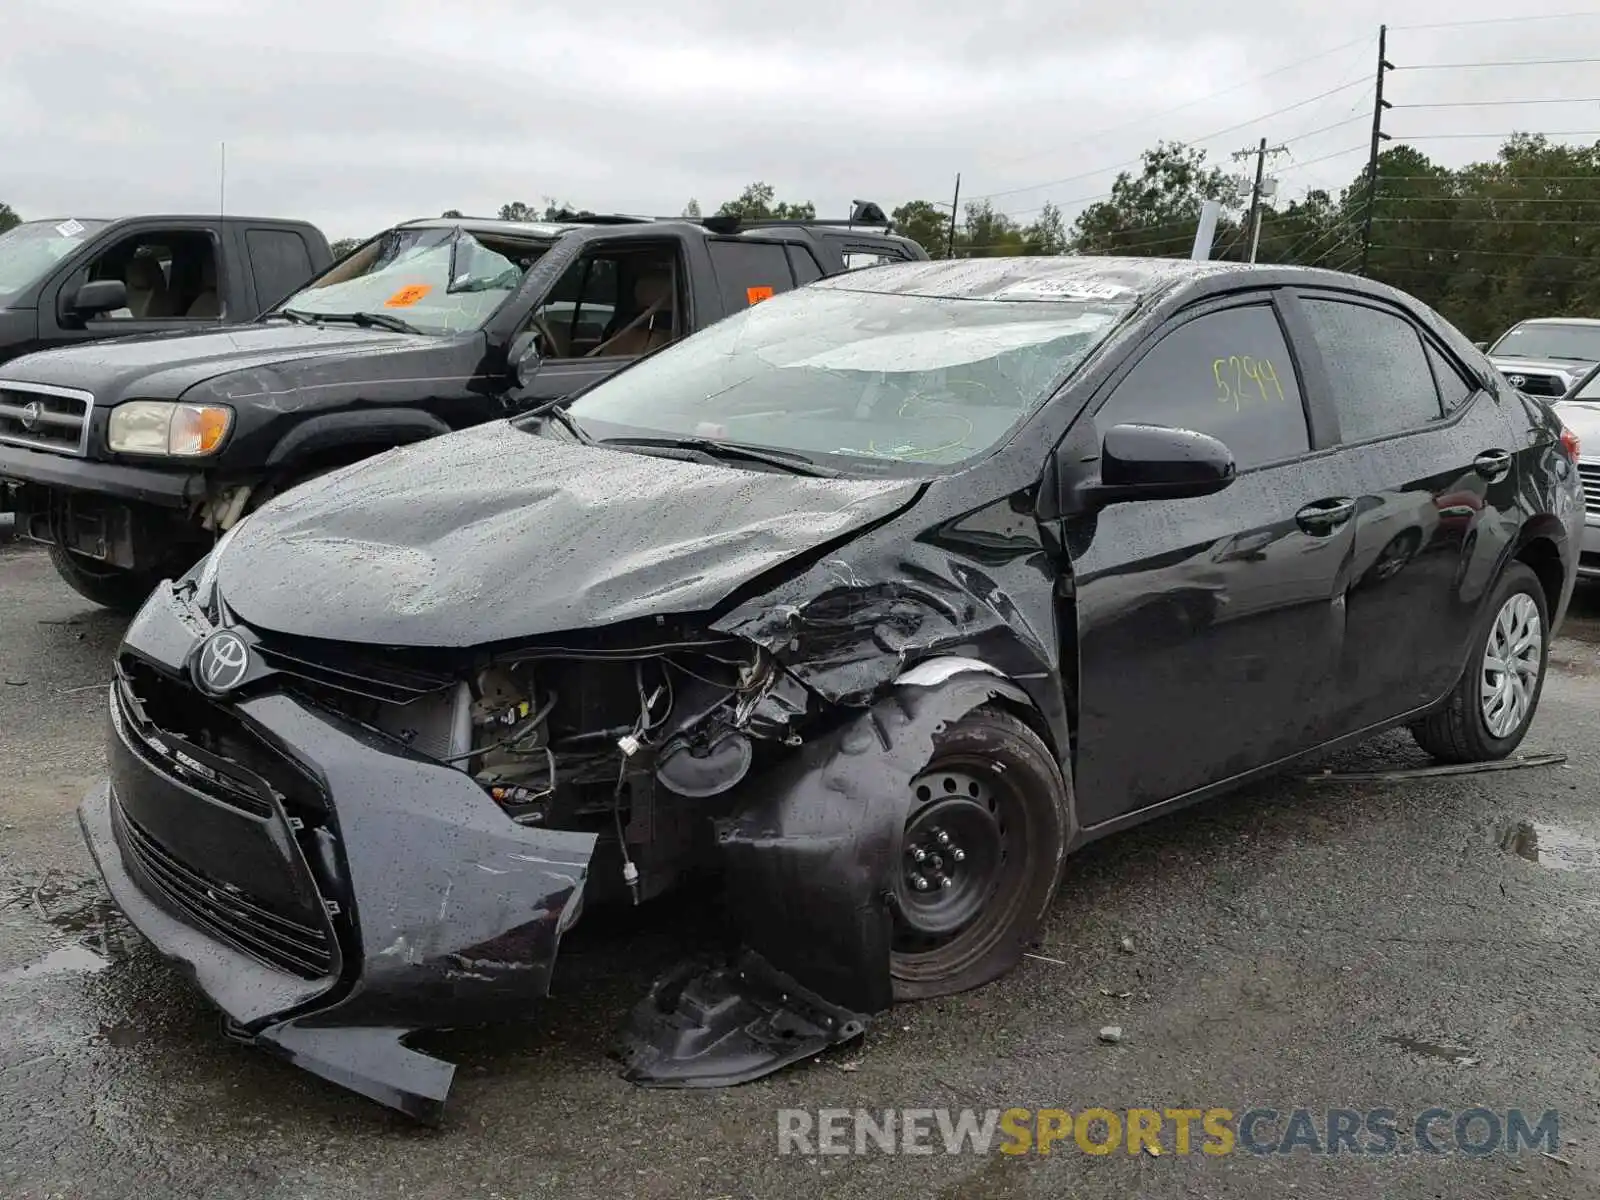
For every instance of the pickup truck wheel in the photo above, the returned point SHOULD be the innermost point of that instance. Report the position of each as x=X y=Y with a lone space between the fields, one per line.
x=120 y=590
x=1492 y=705
x=980 y=859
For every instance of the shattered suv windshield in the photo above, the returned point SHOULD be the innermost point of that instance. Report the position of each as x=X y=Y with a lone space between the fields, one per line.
x=856 y=374
x=28 y=250
x=433 y=280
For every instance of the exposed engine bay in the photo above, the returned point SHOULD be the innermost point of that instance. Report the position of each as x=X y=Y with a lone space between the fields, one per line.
x=641 y=748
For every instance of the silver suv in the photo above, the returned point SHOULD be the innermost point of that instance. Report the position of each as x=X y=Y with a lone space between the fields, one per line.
x=1546 y=356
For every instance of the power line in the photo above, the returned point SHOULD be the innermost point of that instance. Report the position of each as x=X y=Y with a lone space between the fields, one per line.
x=1311 y=162
x=1187 y=141
x=1434 y=137
x=1188 y=104
x=1499 y=20
x=1509 y=62
x=1502 y=103
x=1590 y=224
x=1447 y=250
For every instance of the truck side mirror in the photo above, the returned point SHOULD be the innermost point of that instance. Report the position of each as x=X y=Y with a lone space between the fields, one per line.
x=99 y=296
x=524 y=358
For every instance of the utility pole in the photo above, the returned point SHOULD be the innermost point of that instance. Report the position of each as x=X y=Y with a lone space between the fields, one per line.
x=955 y=207
x=1378 y=137
x=1260 y=153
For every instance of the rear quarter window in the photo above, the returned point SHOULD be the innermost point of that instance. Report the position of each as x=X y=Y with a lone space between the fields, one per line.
x=280 y=261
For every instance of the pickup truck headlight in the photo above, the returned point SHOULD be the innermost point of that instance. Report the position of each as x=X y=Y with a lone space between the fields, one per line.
x=163 y=427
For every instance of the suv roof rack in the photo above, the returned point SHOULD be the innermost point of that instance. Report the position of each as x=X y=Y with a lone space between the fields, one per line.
x=863 y=213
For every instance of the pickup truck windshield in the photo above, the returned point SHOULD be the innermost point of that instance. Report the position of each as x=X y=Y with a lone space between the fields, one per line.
x=404 y=275
x=29 y=250
x=853 y=374
x=1580 y=343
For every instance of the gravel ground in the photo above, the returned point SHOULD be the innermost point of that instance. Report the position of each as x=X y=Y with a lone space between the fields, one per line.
x=1298 y=945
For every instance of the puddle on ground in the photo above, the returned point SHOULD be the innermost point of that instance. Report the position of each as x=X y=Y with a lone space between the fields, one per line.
x=73 y=959
x=1551 y=846
x=1455 y=1054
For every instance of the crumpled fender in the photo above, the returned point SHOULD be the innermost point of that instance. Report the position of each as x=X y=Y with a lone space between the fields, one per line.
x=809 y=863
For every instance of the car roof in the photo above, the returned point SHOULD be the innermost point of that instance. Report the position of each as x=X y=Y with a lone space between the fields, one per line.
x=1075 y=277
x=1585 y=322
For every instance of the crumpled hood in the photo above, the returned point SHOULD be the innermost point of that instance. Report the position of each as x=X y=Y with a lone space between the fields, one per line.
x=163 y=366
x=494 y=534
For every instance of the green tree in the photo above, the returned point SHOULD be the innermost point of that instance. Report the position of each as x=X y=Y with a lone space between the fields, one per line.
x=1047 y=234
x=453 y=214
x=923 y=223
x=1157 y=211
x=757 y=201
x=8 y=218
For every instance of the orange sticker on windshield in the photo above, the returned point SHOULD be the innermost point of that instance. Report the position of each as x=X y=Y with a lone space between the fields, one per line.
x=407 y=296
x=757 y=294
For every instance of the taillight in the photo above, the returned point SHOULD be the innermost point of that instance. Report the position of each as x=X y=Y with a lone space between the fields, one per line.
x=1569 y=444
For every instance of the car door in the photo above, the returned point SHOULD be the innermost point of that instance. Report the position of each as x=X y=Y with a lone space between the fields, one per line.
x=1207 y=628
x=1428 y=454
x=169 y=269
x=604 y=312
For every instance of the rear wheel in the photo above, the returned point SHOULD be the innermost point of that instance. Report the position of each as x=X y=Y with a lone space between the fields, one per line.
x=116 y=588
x=981 y=856
x=1492 y=706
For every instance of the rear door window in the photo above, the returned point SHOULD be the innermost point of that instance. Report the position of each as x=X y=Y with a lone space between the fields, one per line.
x=1227 y=374
x=1377 y=368
x=280 y=261
x=749 y=272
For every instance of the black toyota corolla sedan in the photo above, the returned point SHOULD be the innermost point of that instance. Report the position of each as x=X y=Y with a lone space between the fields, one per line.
x=877 y=600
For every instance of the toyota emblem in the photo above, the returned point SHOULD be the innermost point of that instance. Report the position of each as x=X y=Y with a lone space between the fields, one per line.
x=32 y=413
x=222 y=663
x=1516 y=381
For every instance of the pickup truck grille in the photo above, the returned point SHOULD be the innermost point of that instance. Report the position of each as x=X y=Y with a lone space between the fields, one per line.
x=45 y=418
x=1536 y=384
x=1589 y=472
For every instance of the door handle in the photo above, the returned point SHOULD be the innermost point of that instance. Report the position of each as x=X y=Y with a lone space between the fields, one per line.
x=1492 y=464
x=1324 y=516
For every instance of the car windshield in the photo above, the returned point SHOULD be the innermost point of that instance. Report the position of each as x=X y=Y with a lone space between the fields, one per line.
x=856 y=374
x=404 y=276
x=29 y=250
x=1580 y=343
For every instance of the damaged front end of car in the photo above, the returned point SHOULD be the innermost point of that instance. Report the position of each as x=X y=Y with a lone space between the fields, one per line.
x=343 y=848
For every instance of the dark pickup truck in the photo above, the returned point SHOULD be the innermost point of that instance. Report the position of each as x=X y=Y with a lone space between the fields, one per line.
x=129 y=459
x=72 y=280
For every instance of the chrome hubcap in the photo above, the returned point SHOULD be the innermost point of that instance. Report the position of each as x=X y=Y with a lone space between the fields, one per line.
x=1511 y=665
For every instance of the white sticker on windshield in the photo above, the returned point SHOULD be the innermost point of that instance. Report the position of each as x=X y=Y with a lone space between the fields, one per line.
x=1064 y=289
x=70 y=228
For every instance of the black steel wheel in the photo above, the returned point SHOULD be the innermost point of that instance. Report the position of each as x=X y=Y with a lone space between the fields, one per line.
x=980 y=857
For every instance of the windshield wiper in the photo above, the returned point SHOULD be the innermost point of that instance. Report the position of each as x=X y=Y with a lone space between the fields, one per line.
x=295 y=315
x=784 y=460
x=369 y=320
x=557 y=410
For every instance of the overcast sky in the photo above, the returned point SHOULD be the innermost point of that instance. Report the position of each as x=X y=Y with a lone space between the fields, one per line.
x=356 y=113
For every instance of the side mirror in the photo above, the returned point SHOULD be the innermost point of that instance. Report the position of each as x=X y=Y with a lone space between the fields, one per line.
x=524 y=358
x=99 y=296
x=1155 y=462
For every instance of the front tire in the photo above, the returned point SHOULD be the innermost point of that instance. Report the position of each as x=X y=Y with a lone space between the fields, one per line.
x=981 y=858
x=1491 y=707
x=120 y=590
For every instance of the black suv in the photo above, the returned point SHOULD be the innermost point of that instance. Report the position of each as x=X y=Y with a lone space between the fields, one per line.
x=881 y=598
x=129 y=459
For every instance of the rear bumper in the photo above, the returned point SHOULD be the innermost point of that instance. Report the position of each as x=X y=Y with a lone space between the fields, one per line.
x=147 y=485
x=434 y=908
